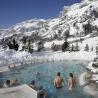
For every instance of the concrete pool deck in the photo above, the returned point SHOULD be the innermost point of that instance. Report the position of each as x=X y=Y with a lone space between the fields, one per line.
x=22 y=91
x=4 y=69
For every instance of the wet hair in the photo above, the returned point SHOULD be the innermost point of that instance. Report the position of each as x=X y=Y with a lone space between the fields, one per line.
x=41 y=92
x=58 y=74
x=41 y=87
x=16 y=80
x=33 y=82
x=37 y=73
x=7 y=82
x=71 y=75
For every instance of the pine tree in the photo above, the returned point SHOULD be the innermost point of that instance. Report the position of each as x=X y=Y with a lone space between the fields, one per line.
x=72 y=47
x=30 y=48
x=53 y=47
x=40 y=46
x=86 y=47
x=92 y=48
x=65 y=46
x=87 y=28
x=97 y=49
x=77 y=47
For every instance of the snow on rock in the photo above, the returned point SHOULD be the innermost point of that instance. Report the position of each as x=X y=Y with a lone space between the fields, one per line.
x=10 y=57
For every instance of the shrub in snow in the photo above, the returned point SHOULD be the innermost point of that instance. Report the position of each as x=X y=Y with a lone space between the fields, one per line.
x=55 y=47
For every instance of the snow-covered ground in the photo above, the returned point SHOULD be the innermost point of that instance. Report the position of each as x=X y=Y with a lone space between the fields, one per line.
x=92 y=42
x=13 y=57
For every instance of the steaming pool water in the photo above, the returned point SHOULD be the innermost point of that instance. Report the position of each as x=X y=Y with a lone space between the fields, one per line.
x=47 y=74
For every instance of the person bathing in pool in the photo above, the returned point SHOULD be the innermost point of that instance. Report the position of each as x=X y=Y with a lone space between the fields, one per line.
x=58 y=81
x=71 y=81
x=41 y=75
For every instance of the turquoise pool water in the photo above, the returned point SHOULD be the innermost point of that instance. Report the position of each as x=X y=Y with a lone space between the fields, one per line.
x=47 y=74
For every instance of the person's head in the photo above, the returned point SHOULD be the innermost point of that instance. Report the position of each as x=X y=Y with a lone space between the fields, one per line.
x=71 y=75
x=8 y=82
x=16 y=80
x=33 y=82
x=41 y=87
x=37 y=73
x=58 y=74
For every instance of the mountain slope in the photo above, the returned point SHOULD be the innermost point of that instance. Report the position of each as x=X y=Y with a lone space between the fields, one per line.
x=77 y=20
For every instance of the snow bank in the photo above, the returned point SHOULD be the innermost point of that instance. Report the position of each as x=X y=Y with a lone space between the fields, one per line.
x=12 y=57
x=81 y=55
x=22 y=57
x=19 y=58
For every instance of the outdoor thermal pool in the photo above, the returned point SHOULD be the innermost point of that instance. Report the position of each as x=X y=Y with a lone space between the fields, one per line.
x=47 y=74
